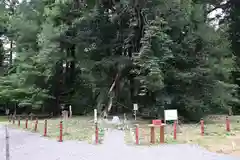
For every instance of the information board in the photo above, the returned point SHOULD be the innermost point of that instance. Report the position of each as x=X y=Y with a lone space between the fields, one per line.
x=170 y=114
x=135 y=107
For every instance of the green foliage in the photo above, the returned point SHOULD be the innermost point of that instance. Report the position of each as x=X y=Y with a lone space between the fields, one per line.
x=159 y=53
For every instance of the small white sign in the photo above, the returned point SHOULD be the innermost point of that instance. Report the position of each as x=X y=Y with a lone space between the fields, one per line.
x=135 y=107
x=95 y=115
x=70 y=111
x=170 y=114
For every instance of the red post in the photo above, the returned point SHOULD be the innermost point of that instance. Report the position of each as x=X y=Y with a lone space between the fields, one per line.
x=45 y=128
x=137 y=134
x=96 y=133
x=227 y=124
x=175 y=130
x=202 y=127
x=61 y=132
x=19 y=121
x=36 y=124
x=26 y=124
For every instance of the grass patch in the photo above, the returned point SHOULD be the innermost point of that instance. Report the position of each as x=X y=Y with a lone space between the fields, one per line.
x=3 y=119
x=78 y=128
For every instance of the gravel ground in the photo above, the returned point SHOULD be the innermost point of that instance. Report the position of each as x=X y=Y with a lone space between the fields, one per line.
x=26 y=145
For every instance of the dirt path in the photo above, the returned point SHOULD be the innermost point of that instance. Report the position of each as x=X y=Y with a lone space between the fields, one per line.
x=26 y=145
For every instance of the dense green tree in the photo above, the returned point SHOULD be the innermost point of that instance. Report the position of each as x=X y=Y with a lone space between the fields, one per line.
x=99 y=54
x=233 y=14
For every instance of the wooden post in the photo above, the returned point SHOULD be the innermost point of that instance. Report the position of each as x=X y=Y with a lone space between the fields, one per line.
x=36 y=124
x=175 y=130
x=96 y=133
x=60 y=132
x=19 y=121
x=152 y=134
x=162 y=136
x=13 y=120
x=26 y=123
x=202 y=127
x=45 y=128
x=137 y=134
x=227 y=124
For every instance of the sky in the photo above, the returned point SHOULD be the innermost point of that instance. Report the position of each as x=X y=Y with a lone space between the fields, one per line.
x=213 y=14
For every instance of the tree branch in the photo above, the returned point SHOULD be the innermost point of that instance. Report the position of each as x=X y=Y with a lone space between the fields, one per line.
x=113 y=84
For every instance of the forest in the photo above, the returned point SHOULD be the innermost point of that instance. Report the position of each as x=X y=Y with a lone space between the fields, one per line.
x=110 y=54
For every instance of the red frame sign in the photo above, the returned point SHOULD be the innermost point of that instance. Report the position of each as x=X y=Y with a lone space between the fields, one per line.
x=157 y=121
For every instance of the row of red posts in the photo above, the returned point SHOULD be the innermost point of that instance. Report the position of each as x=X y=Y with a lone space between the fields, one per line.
x=158 y=123
x=45 y=127
x=227 y=125
x=155 y=123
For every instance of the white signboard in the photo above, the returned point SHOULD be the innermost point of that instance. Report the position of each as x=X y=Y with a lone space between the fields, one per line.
x=170 y=114
x=135 y=107
x=95 y=115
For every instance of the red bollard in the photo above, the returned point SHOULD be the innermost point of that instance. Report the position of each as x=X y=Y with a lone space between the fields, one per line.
x=26 y=124
x=36 y=123
x=96 y=133
x=175 y=130
x=137 y=134
x=45 y=128
x=227 y=124
x=61 y=132
x=19 y=121
x=202 y=127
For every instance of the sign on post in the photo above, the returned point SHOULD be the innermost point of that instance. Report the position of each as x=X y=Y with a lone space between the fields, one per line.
x=135 y=107
x=70 y=111
x=65 y=118
x=170 y=115
x=95 y=115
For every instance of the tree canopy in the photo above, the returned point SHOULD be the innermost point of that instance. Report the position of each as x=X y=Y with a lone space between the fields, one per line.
x=109 y=54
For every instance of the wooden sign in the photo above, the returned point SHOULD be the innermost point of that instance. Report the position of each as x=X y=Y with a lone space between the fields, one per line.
x=157 y=121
